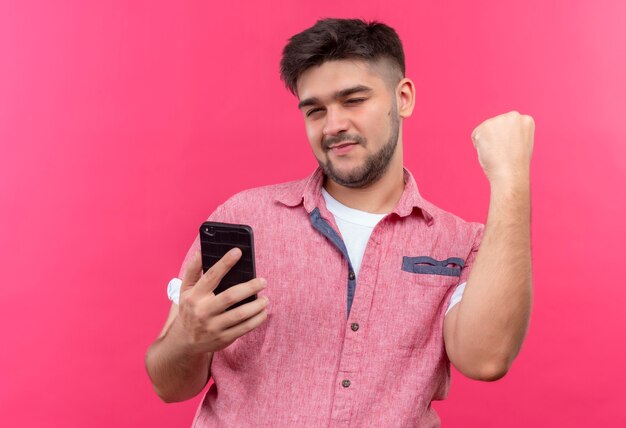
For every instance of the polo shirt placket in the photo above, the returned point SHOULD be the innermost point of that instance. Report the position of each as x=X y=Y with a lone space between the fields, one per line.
x=345 y=382
x=358 y=309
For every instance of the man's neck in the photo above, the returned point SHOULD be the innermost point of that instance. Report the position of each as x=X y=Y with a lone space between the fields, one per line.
x=379 y=197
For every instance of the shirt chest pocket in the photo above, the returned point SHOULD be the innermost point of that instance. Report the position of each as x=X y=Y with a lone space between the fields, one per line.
x=425 y=271
x=414 y=302
x=450 y=267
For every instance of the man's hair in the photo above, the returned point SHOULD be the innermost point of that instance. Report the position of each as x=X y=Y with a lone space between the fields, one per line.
x=337 y=39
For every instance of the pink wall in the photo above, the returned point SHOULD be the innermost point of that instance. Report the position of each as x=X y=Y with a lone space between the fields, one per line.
x=123 y=124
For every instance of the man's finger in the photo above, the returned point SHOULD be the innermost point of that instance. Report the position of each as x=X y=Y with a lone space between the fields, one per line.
x=193 y=272
x=238 y=293
x=245 y=326
x=214 y=275
x=241 y=313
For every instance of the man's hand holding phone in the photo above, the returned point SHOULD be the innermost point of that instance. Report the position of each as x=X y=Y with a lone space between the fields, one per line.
x=203 y=322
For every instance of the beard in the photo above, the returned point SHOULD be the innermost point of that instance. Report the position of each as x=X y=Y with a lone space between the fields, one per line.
x=374 y=166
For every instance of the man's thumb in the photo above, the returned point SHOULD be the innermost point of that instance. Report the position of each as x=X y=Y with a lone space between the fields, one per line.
x=193 y=271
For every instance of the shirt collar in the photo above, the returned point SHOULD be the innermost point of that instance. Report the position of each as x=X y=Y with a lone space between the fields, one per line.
x=309 y=193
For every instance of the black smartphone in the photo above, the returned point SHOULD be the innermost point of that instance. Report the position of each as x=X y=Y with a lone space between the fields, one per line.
x=216 y=239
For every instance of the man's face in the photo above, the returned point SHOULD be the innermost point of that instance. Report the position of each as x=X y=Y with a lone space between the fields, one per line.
x=351 y=120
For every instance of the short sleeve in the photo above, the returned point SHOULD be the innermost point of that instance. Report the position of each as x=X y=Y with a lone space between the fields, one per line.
x=173 y=290
x=456 y=296
x=195 y=247
x=467 y=268
x=469 y=260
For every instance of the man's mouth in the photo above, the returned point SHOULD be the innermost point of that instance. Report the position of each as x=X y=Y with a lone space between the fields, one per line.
x=342 y=144
x=342 y=148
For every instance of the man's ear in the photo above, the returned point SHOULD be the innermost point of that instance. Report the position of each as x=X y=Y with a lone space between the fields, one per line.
x=405 y=97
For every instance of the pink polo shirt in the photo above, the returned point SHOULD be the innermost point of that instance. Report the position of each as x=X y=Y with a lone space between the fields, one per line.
x=334 y=352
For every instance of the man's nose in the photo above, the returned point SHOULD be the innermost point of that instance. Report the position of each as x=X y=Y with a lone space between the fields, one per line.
x=336 y=121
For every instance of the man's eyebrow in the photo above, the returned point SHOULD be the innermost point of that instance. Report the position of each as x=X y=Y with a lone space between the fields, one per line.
x=337 y=95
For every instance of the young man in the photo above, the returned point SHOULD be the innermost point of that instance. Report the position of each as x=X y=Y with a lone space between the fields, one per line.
x=370 y=285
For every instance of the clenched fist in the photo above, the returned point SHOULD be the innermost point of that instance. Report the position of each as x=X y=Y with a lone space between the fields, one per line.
x=505 y=144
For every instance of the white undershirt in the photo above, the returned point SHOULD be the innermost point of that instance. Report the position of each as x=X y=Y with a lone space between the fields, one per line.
x=355 y=226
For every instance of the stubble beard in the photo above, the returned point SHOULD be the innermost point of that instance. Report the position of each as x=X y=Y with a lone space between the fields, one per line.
x=374 y=166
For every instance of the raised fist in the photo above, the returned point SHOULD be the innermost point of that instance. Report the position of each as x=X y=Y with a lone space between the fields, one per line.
x=505 y=144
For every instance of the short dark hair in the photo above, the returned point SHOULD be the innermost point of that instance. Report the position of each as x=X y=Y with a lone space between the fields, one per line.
x=335 y=39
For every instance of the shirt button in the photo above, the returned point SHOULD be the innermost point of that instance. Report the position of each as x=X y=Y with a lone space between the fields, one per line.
x=351 y=276
x=345 y=383
x=354 y=326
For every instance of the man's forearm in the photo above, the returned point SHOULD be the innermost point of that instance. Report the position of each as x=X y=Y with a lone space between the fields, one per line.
x=176 y=374
x=495 y=310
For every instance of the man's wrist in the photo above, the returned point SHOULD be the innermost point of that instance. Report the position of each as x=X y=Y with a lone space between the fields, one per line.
x=519 y=180
x=179 y=338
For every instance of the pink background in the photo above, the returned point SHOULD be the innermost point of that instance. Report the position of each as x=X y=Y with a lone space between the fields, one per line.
x=123 y=124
